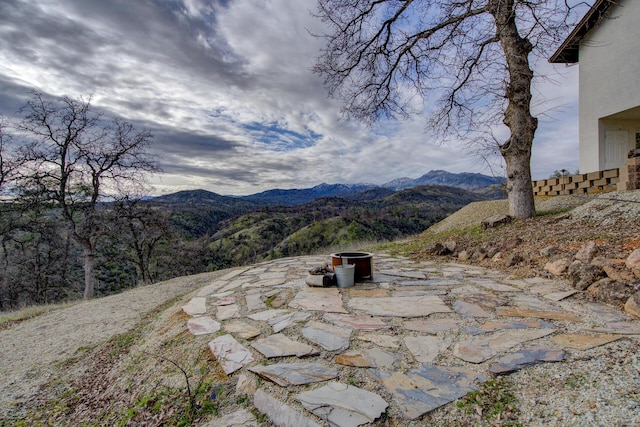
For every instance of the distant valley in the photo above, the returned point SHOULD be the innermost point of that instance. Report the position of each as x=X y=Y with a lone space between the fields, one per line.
x=277 y=223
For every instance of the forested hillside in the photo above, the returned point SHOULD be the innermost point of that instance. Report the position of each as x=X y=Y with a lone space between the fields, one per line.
x=196 y=231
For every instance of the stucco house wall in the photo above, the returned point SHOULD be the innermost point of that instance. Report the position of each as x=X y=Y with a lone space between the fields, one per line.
x=608 y=52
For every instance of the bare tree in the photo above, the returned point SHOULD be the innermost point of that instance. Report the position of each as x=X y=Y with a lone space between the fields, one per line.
x=388 y=58
x=148 y=229
x=75 y=161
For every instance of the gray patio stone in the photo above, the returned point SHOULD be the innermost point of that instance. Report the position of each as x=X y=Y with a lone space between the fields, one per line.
x=426 y=388
x=202 y=325
x=521 y=359
x=363 y=323
x=279 y=345
x=286 y=374
x=343 y=405
x=230 y=353
x=282 y=322
x=319 y=299
x=477 y=349
x=281 y=414
x=400 y=306
x=329 y=337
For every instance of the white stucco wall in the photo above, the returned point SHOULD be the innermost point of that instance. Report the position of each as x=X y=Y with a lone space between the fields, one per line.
x=609 y=81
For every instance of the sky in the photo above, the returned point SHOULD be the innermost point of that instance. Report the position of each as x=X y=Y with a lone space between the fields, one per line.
x=226 y=89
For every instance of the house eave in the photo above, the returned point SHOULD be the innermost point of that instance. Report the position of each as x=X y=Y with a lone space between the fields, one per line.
x=567 y=53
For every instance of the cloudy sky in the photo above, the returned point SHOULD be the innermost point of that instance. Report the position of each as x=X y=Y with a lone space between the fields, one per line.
x=226 y=90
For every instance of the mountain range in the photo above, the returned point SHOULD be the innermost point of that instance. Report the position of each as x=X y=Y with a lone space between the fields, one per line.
x=474 y=182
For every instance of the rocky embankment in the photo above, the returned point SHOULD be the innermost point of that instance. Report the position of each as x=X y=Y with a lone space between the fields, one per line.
x=591 y=242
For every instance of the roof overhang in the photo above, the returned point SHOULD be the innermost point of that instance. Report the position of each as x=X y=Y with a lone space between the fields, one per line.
x=567 y=53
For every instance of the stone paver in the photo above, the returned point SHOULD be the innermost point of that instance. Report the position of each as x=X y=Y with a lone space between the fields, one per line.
x=343 y=405
x=426 y=333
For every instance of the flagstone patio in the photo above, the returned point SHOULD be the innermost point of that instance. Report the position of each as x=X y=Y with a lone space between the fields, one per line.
x=415 y=337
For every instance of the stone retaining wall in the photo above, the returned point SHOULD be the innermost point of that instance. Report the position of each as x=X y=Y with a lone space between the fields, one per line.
x=586 y=183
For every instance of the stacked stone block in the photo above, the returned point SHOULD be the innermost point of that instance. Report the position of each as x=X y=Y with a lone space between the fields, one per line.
x=630 y=175
x=593 y=182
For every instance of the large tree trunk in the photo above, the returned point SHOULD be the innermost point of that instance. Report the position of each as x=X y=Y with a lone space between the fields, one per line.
x=89 y=261
x=517 y=149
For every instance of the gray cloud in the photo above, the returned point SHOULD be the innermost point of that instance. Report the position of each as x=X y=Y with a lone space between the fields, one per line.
x=225 y=87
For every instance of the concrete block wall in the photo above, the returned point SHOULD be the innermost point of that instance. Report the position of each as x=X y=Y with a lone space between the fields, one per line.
x=630 y=175
x=593 y=182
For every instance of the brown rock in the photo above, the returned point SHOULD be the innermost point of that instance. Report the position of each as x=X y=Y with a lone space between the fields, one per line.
x=463 y=256
x=438 y=249
x=587 y=252
x=495 y=221
x=549 y=251
x=558 y=266
x=584 y=275
x=611 y=292
x=632 y=306
x=450 y=245
x=480 y=254
x=512 y=243
x=513 y=259
x=633 y=262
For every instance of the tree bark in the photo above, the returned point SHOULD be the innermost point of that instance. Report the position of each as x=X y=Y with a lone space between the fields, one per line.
x=89 y=261
x=522 y=125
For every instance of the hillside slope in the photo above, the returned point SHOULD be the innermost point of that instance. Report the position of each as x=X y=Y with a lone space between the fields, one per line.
x=71 y=361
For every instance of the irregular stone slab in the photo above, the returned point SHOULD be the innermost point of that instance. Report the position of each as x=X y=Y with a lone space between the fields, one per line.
x=264 y=283
x=404 y=273
x=209 y=289
x=233 y=285
x=622 y=328
x=486 y=300
x=493 y=286
x=363 y=323
x=343 y=405
x=477 y=349
x=467 y=309
x=425 y=349
x=426 y=387
x=521 y=359
x=202 y=325
x=281 y=414
x=241 y=329
x=400 y=306
x=367 y=293
x=606 y=312
x=279 y=345
x=516 y=324
x=254 y=302
x=225 y=300
x=226 y=312
x=273 y=275
x=584 y=342
x=319 y=299
x=230 y=353
x=367 y=358
x=431 y=326
x=283 y=322
x=418 y=293
x=246 y=385
x=197 y=305
x=267 y=315
x=538 y=314
x=381 y=340
x=431 y=283
x=230 y=275
x=329 y=337
x=531 y=302
x=559 y=296
x=286 y=374
x=240 y=418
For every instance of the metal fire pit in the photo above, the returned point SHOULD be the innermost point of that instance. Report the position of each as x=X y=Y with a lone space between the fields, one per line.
x=362 y=260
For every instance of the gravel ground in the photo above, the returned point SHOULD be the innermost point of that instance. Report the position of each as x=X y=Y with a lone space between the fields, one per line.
x=32 y=350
